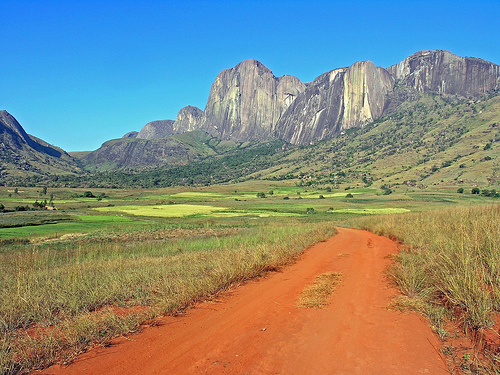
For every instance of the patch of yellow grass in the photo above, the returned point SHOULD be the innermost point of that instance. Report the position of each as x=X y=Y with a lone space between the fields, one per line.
x=317 y=295
x=164 y=210
x=372 y=211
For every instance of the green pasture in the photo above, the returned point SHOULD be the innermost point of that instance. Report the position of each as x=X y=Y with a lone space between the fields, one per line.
x=77 y=224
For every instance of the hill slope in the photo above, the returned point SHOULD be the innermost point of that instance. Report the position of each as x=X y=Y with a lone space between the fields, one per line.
x=24 y=155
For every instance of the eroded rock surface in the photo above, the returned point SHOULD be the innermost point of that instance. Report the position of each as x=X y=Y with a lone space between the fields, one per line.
x=246 y=101
x=156 y=129
x=442 y=72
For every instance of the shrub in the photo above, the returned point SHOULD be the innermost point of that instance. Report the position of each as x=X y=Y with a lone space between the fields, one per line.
x=349 y=195
x=261 y=195
x=321 y=197
x=460 y=190
x=387 y=191
x=310 y=211
x=475 y=190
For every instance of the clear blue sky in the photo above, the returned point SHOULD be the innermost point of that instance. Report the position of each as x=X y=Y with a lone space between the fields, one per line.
x=78 y=73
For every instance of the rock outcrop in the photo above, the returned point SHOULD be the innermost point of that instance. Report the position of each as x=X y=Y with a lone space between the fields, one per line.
x=137 y=153
x=340 y=99
x=156 y=129
x=188 y=119
x=246 y=101
x=442 y=72
x=249 y=103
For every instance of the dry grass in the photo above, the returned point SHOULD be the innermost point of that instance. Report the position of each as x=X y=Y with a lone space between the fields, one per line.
x=317 y=295
x=450 y=267
x=54 y=297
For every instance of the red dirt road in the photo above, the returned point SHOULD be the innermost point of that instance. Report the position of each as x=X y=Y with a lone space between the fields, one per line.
x=257 y=329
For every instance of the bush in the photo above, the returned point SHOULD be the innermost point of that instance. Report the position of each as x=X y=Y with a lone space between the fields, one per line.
x=349 y=195
x=475 y=190
x=321 y=197
x=310 y=211
x=387 y=191
x=261 y=195
x=460 y=190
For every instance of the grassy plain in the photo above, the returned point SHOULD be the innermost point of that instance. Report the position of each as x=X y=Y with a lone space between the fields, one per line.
x=95 y=269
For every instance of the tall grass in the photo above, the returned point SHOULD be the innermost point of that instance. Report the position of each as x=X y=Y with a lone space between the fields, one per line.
x=56 y=299
x=451 y=262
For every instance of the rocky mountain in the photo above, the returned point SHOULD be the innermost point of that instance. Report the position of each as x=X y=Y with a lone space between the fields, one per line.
x=246 y=101
x=156 y=129
x=335 y=101
x=136 y=153
x=21 y=153
x=441 y=72
x=249 y=103
x=188 y=119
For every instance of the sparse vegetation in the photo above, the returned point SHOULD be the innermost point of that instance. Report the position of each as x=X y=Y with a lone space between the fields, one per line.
x=317 y=295
x=450 y=269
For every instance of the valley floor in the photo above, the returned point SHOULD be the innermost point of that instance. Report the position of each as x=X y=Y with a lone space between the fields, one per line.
x=257 y=328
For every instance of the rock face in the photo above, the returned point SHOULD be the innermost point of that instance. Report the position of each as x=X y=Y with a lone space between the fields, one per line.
x=249 y=103
x=137 y=153
x=188 y=119
x=156 y=129
x=340 y=99
x=442 y=72
x=246 y=101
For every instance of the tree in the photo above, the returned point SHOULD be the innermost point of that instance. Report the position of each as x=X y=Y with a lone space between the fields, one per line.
x=261 y=195
x=460 y=190
x=475 y=190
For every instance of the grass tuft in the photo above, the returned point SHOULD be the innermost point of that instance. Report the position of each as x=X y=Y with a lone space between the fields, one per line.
x=317 y=295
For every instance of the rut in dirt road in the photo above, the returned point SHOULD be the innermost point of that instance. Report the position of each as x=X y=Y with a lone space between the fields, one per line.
x=258 y=329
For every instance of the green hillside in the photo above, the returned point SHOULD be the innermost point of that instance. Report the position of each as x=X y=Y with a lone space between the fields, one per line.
x=431 y=141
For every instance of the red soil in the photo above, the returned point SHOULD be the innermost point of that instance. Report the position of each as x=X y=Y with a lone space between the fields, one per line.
x=257 y=329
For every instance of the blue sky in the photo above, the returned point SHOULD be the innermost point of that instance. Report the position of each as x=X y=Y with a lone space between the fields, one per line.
x=78 y=73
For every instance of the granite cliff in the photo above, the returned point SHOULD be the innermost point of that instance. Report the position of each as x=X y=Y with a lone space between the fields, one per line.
x=249 y=103
x=442 y=72
x=337 y=100
x=246 y=101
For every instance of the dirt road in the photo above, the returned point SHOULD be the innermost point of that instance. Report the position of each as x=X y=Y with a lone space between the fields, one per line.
x=257 y=329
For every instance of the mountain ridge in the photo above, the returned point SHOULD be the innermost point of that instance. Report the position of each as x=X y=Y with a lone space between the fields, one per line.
x=247 y=103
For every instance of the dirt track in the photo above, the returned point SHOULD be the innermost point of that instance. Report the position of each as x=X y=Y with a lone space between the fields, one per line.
x=257 y=329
